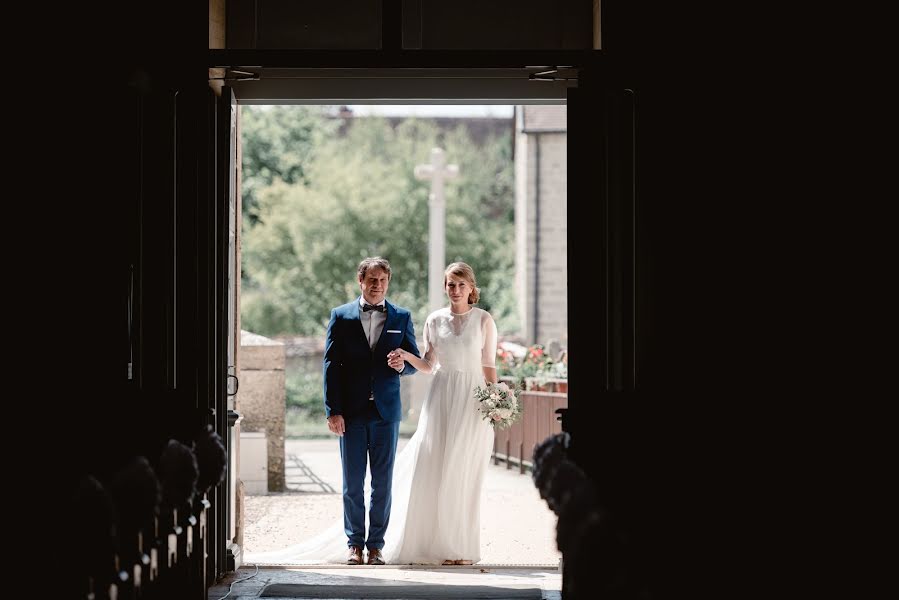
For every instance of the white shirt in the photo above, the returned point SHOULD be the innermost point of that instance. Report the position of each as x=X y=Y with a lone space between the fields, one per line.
x=372 y=322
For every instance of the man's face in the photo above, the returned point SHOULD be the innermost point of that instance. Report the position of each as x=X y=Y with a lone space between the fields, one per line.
x=374 y=285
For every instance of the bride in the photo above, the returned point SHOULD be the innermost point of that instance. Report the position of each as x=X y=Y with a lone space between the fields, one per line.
x=438 y=476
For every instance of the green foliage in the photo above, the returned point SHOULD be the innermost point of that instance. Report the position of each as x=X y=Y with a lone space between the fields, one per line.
x=278 y=142
x=352 y=193
x=304 y=392
x=300 y=424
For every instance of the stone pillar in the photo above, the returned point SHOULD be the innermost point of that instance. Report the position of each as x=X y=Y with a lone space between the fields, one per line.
x=261 y=399
x=437 y=172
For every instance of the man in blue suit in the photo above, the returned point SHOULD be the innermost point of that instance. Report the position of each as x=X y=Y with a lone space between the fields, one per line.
x=362 y=401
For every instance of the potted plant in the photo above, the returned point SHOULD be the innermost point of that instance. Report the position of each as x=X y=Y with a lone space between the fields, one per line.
x=534 y=369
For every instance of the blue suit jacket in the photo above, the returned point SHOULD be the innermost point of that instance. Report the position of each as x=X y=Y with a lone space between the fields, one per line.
x=352 y=370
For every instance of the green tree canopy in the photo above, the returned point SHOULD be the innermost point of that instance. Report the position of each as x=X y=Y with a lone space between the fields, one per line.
x=353 y=194
x=278 y=143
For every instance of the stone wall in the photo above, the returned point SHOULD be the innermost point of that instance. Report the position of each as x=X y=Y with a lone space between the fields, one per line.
x=541 y=223
x=261 y=399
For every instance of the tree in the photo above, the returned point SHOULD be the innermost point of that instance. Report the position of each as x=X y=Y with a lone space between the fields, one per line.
x=278 y=143
x=358 y=197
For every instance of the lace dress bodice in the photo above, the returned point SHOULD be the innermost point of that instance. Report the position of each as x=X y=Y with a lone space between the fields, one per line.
x=460 y=342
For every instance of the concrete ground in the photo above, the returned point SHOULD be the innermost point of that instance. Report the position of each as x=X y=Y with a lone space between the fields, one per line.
x=517 y=527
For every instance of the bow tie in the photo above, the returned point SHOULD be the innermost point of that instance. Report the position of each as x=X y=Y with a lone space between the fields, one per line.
x=378 y=307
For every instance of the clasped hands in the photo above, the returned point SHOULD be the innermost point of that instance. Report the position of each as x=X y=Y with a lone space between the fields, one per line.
x=396 y=359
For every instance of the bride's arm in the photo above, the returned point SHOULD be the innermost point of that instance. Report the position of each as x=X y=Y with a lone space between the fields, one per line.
x=488 y=350
x=426 y=363
x=421 y=364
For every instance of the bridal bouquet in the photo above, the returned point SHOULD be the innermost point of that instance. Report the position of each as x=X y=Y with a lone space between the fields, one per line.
x=498 y=403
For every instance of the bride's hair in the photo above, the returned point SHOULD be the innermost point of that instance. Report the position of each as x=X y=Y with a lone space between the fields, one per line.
x=461 y=269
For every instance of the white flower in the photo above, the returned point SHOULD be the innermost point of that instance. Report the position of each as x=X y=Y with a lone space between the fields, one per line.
x=498 y=403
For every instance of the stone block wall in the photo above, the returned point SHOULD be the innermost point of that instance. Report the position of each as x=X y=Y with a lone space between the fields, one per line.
x=541 y=223
x=261 y=399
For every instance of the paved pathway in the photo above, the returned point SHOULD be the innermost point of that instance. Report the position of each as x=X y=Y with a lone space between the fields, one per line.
x=517 y=527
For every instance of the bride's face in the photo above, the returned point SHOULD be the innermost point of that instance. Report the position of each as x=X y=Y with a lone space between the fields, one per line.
x=457 y=289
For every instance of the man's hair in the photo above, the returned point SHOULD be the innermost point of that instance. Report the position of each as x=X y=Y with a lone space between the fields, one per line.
x=373 y=262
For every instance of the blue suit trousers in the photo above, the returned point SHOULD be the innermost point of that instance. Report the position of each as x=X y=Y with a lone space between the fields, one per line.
x=367 y=437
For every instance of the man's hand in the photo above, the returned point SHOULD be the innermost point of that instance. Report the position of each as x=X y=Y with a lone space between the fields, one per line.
x=336 y=425
x=395 y=360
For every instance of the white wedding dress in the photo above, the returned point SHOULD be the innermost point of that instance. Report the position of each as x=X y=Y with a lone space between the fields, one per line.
x=439 y=474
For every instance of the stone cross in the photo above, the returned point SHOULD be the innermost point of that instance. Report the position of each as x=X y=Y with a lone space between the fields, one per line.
x=438 y=172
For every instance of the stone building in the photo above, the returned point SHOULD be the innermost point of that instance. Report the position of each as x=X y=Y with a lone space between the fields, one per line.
x=541 y=217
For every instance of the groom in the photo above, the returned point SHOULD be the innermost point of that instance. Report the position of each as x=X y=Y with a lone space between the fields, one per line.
x=362 y=401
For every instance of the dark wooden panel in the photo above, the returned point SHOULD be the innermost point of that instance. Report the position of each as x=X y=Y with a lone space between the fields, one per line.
x=507 y=24
x=360 y=24
x=240 y=24
x=352 y=24
x=412 y=24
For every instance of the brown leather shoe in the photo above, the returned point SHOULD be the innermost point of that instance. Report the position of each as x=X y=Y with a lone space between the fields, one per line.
x=354 y=556
x=375 y=557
